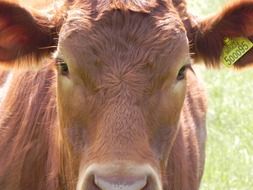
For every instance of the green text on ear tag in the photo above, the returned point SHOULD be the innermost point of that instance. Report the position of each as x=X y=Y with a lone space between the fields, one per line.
x=234 y=49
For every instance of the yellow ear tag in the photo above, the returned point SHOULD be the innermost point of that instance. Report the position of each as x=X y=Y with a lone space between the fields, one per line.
x=234 y=49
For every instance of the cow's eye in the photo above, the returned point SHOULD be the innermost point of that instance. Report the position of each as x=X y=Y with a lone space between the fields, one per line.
x=62 y=66
x=181 y=73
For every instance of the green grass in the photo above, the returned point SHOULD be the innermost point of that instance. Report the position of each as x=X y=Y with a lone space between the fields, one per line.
x=229 y=163
x=205 y=7
x=229 y=158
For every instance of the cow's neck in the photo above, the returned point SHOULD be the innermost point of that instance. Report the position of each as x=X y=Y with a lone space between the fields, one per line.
x=28 y=126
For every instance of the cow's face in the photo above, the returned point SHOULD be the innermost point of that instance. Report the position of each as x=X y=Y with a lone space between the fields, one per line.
x=121 y=85
x=121 y=80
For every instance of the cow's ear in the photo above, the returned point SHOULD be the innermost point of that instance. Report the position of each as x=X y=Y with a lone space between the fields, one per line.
x=212 y=34
x=25 y=36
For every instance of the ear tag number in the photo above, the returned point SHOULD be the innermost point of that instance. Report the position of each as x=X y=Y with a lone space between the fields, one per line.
x=234 y=49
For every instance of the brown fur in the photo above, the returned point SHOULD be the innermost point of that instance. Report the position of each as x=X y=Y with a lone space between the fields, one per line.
x=15 y=42
x=35 y=148
x=31 y=154
x=3 y=76
x=120 y=101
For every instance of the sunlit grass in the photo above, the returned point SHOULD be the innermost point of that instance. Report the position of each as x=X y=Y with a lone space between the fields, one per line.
x=229 y=163
x=230 y=130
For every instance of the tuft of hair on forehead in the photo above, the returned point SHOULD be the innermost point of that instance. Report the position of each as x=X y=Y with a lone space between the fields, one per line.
x=145 y=6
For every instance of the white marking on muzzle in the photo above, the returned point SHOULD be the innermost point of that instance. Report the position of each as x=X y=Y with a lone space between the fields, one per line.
x=99 y=173
x=105 y=185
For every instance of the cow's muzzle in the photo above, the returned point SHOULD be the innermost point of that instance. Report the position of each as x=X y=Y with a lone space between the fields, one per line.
x=119 y=176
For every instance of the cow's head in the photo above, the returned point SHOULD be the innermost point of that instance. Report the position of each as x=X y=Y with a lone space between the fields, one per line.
x=121 y=80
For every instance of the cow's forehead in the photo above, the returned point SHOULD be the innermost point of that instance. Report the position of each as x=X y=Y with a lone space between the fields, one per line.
x=84 y=12
x=134 y=5
x=84 y=26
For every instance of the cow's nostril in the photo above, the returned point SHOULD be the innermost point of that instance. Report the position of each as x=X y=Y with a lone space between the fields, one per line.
x=120 y=183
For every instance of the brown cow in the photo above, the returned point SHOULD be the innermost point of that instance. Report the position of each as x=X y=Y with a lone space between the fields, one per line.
x=123 y=110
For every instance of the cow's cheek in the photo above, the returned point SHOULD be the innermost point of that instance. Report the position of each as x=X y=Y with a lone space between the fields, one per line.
x=166 y=121
x=73 y=113
x=72 y=102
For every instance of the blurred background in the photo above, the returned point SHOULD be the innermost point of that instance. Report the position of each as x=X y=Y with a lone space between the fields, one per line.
x=229 y=156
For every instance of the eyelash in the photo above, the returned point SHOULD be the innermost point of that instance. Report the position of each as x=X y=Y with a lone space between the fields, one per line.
x=62 y=66
x=181 y=72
